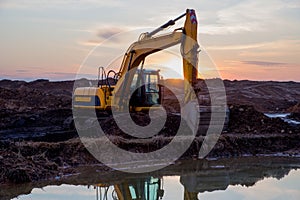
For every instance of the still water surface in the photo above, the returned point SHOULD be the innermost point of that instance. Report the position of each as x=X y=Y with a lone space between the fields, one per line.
x=266 y=179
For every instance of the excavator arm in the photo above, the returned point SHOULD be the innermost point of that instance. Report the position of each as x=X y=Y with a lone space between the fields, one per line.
x=139 y=50
x=189 y=51
x=136 y=53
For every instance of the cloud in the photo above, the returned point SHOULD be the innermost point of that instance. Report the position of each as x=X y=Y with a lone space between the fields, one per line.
x=90 y=42
x=68 y=76
x=79 y=30
x=71 y=4
x=279 y=51
x=238 y=47
x=249 y=16
x=263 y=63
x=35 y=74
x=78 y=191
x=258 y=63
x=225 y=29
x=22 y=71
x=271 y=188
x=107 y=32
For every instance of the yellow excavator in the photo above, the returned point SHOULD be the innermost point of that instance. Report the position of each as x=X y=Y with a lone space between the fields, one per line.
x=114 y=89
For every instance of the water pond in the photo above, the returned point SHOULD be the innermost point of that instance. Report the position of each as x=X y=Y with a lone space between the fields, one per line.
x=240 y=178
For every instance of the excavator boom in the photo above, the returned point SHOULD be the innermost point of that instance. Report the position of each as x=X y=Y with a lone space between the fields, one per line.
x=138 y=51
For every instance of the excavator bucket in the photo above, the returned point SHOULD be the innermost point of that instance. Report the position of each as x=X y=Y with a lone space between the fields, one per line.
x=189 y=50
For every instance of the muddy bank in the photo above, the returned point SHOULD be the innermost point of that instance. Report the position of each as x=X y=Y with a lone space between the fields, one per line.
x=29 y=161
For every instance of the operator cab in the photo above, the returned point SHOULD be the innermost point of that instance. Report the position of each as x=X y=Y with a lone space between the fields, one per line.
x=146 y=89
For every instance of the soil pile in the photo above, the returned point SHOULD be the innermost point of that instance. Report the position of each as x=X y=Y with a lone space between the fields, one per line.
x=246 y=120
x=33 y=109
x=265 y=96
x=31 y=161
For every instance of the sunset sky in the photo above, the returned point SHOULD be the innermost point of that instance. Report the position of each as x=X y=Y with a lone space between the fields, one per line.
x=247 y=39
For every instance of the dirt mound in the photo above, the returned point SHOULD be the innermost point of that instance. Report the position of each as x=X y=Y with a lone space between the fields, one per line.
x=265 y=96
x=33 y=107
x=40 y=84
x=26 y=99
x=247 y=120
x=30 y=161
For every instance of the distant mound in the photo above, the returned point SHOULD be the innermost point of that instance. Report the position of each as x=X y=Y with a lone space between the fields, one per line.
x=265 y=96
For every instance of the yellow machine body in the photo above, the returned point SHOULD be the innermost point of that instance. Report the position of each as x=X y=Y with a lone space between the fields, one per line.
x=93 y=97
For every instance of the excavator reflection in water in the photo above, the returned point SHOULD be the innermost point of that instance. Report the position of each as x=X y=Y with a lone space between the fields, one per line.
x=149 y=188
x=198 y=177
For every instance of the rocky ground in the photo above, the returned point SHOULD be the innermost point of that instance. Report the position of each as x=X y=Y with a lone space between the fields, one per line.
x=37 y=140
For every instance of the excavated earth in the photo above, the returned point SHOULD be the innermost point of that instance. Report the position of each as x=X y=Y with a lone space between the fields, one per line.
x=38 y=140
